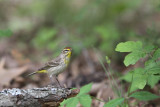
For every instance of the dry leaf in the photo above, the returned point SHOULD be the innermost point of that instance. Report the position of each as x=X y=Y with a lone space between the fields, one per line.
x=6 y=75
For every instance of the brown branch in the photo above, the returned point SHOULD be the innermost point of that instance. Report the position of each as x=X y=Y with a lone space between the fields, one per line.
x=36 y=97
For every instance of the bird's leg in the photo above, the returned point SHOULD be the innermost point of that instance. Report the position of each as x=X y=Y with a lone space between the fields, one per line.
x=58 y=81
x=52 y=81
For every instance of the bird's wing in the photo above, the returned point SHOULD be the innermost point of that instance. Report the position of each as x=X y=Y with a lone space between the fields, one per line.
x=53 y=63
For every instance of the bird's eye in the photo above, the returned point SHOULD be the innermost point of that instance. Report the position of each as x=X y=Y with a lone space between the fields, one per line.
x=66 y=50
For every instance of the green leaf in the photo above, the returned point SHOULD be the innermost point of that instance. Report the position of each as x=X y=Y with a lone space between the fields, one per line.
x=136 y=50
x=139 y=79
x=85 y=100
x=127 y=77
x=66 y=101
x=85 y=89
x=153 y=80
x=71 y=102
x=144 y=96
x=139 y=82
x=149 y=48
x=129 y=46
x=152 y=67
x=156 y=54
x=154 y=70
x=133 y=57
x=114 y=102
x=149 y=64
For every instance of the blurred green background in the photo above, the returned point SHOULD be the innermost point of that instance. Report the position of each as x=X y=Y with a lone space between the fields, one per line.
x=49 y=26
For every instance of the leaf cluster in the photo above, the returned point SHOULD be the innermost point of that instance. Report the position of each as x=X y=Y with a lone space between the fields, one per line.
x=149 y=74
x=142 y=76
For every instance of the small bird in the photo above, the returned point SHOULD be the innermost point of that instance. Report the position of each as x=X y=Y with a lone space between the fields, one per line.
x=57 y=65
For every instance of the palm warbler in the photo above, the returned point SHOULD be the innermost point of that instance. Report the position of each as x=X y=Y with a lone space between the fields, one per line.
x=57 y=65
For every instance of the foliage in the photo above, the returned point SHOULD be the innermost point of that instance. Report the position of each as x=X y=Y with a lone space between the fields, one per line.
x=5 y=33
x=144 y=96
x=82 y=97
x=140 y=77
x=136 y=49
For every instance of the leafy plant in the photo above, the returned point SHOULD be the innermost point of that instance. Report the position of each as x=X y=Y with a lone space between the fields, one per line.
x=139 y=77
x=142 y=76
x=82 y=97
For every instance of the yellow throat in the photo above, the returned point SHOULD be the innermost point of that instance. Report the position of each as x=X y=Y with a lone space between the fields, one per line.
x=67 y=58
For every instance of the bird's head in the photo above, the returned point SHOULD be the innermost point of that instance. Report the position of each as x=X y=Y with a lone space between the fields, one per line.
x=67 y=51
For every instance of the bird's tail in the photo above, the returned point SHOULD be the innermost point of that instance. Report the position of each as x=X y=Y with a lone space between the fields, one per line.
x=40 y=71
